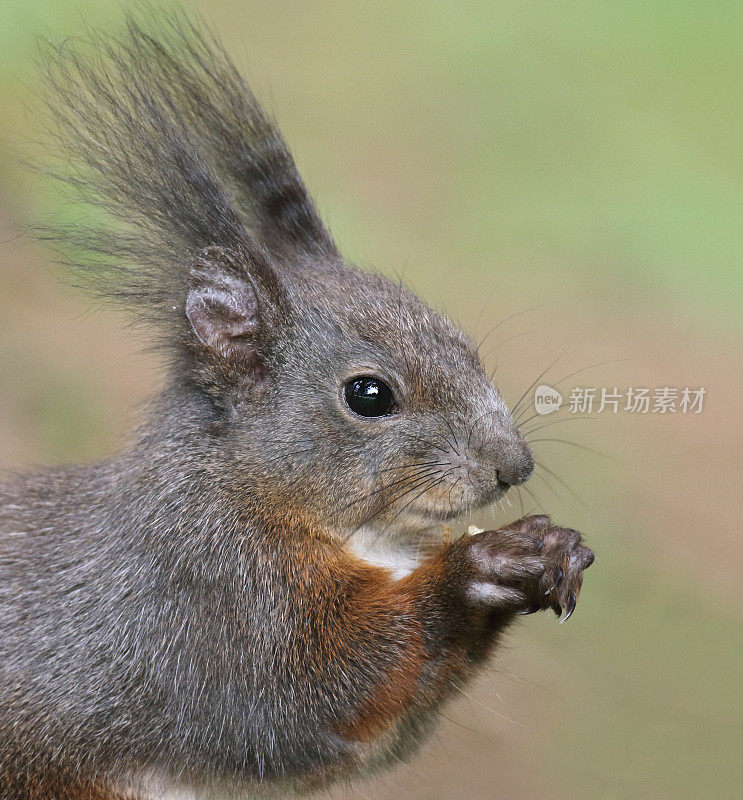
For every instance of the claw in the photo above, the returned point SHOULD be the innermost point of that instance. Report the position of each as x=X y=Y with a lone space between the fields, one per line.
x=557 y=575
x=569 y=608
x=532 y=609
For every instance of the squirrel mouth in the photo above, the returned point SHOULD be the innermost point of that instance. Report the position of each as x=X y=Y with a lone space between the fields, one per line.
x=428 y=512
x=503 y=487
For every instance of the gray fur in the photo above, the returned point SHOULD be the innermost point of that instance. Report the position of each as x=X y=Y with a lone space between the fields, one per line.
x=150 y=614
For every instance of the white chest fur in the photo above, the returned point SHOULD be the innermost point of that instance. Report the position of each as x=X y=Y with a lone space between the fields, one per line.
x=399 y=553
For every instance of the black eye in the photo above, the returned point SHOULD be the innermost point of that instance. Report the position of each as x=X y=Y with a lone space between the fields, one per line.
x=369 y=397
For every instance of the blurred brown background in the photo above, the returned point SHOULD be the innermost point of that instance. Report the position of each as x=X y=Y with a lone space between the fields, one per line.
x=579 y=162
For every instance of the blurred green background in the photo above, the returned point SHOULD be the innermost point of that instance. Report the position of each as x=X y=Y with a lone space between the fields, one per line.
x=578 y=162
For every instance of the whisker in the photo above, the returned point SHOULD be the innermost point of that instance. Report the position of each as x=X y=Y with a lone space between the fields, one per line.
x=561 y=481
x=458 y=724
x=486 y=707
x=451 y=488
x=496 y=347
x=531 y=494
x=399 y=493
x=419 y=464
x=421 y=441
x=534 y=383
x=472 y=426
x=435 y=483
x=592 y=366
x=454 y=437
x=432 y=481
x=390 y=485
x=487 y=300
x=575 y=444
x=417 y=484
x=578 y=372
x=546 y=483
x=396 y=499
x=554 y=422
x=521 y=499
x=503 y=321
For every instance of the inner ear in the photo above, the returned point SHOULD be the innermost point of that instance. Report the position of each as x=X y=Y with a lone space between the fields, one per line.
x=223 y=306
x=224 y=318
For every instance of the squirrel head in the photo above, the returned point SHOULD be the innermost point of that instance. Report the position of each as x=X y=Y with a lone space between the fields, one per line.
x=342 y=398
x=345 y=398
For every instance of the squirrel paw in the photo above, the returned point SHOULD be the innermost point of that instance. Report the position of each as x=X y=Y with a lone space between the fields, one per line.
x=527 y=566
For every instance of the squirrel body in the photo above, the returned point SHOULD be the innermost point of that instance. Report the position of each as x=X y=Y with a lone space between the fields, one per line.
x=252 y=597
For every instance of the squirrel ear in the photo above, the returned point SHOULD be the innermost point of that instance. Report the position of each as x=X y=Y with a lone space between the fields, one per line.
x=226 y=306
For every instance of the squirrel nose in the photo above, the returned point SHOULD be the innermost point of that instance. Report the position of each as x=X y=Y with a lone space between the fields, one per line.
x=515 y=462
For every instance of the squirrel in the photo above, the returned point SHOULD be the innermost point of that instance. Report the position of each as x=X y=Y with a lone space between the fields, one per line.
x=250 y=599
